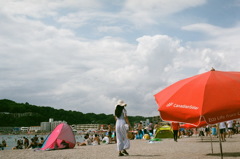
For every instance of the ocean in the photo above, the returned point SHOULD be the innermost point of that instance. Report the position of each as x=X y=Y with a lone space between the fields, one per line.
x=11 y=140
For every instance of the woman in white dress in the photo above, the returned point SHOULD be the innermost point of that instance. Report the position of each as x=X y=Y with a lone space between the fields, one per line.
x=123 y=142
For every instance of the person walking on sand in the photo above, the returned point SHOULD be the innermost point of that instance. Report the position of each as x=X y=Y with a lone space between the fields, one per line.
x=156 y=126
x=175 y=127
x=123 y=142
x=140 y=132
x=110 y=133
x=222 y=128
x=230 y=128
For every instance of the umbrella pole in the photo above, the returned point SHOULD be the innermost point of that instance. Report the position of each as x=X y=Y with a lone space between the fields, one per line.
x=211 y=142
x=220 y=142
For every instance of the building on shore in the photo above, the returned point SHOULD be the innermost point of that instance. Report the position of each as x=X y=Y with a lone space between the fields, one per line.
x=7 y=129
x=51 y=125
x=24 y=129
x=34 y=128
x=87 y=126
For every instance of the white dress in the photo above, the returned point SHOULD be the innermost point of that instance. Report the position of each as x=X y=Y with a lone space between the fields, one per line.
x=121 y=133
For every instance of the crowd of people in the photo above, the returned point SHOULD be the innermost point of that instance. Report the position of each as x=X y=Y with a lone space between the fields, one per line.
x=122 y=132
x=90 y=140
x=225 y=129
x=110 y=137
x=26 y=144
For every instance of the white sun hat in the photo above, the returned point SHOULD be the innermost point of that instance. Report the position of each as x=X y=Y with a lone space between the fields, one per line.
x=121 y=103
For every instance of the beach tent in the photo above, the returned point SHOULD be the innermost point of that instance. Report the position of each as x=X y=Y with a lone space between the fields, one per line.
x=164 y=132
x=61 y=134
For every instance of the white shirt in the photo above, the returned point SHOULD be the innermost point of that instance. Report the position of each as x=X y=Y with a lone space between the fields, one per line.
x=106 y=139
x=230 y=123
x=222 y=125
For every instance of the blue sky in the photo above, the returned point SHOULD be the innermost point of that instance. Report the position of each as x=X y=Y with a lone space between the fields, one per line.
x=85 y=55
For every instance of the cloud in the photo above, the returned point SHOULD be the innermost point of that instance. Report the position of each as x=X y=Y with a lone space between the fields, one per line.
x=44 y=65
x=44 y=8
x=110 y=29
x=217 y=36
x=142 y=12
x=48 y=59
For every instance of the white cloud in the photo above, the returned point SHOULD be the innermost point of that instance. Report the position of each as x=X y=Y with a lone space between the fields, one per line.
x=56 y=68
x=43 y=8
x=55 y=65
x=113 y=29
x=142 y=12
x=203 y=27
x=219 y=37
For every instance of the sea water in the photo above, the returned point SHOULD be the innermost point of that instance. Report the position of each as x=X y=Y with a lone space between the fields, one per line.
x=11 y=140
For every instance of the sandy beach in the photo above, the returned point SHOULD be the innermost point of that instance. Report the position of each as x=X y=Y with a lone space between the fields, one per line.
x=185 y=148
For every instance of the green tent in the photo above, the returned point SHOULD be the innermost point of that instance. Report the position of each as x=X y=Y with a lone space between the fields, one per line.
x=164 y=132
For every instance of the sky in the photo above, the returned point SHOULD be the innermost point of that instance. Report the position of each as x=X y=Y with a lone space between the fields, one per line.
x=86 y=55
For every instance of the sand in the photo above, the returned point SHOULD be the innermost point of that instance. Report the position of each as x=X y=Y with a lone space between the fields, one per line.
x=185 y=148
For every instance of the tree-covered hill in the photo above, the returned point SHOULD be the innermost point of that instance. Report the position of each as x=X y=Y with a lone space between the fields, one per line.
x=25 y=114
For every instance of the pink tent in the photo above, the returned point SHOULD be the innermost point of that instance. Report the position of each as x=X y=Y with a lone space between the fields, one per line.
x=61 y=137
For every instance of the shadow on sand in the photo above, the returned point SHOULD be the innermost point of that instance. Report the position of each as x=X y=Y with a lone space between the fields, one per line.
x=144 y=156
x=207 y=141
x=226 y=154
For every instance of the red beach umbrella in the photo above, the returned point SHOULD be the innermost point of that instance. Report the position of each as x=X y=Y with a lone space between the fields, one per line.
x=189 y=126
x=212 y=97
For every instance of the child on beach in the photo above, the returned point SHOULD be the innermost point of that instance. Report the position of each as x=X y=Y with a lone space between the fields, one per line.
x=33 y=144
x=4 y=144
x=110 y=132
x=214 y=130
x=105 y=139
x=19 y=145
x=63 y=145
x=26 y=142
x=96 y=140
x=41 y=142
x=86 y=142
x=140 y=132
x=156 y=126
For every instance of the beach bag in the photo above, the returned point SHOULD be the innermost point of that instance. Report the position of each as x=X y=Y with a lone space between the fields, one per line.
x=126 y=126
